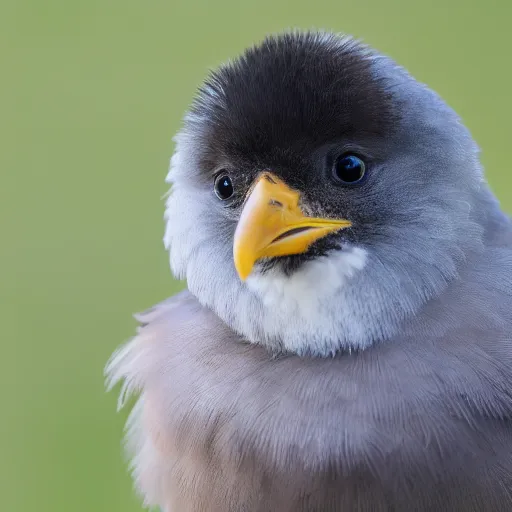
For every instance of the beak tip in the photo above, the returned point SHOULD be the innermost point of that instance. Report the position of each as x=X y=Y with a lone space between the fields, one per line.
x=242 y=270
x=243 y=275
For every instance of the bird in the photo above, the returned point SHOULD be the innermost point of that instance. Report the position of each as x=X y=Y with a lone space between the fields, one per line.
x=344 y=341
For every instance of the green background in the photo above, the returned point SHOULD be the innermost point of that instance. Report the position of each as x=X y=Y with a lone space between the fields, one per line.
x=91 y=93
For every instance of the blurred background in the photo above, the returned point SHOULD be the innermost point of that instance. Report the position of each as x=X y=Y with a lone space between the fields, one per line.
x=91 y=93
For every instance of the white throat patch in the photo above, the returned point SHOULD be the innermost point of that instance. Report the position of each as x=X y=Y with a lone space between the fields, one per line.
x=302 y=298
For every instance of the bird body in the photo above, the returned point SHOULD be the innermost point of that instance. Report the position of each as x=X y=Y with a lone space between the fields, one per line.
x=365 y=367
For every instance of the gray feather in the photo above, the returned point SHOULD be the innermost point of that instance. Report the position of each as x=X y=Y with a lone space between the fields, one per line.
x=414 y=412
x=423 y=420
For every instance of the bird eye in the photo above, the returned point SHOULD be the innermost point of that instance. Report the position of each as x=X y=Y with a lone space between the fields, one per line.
x=223 y=186
x=349 y=169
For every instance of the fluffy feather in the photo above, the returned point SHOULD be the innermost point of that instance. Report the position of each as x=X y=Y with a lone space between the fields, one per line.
x=418 y=420
x=416 y=219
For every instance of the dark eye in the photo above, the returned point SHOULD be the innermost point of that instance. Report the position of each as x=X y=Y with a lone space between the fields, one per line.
x=349 y=169
x=223 y=187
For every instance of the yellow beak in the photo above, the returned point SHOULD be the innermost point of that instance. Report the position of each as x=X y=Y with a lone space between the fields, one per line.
x=272 y=224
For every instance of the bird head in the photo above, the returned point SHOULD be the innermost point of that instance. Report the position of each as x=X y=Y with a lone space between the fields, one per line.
x=320 y=195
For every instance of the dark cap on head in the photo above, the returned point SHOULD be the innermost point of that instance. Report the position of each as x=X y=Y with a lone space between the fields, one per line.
x=291 y=94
